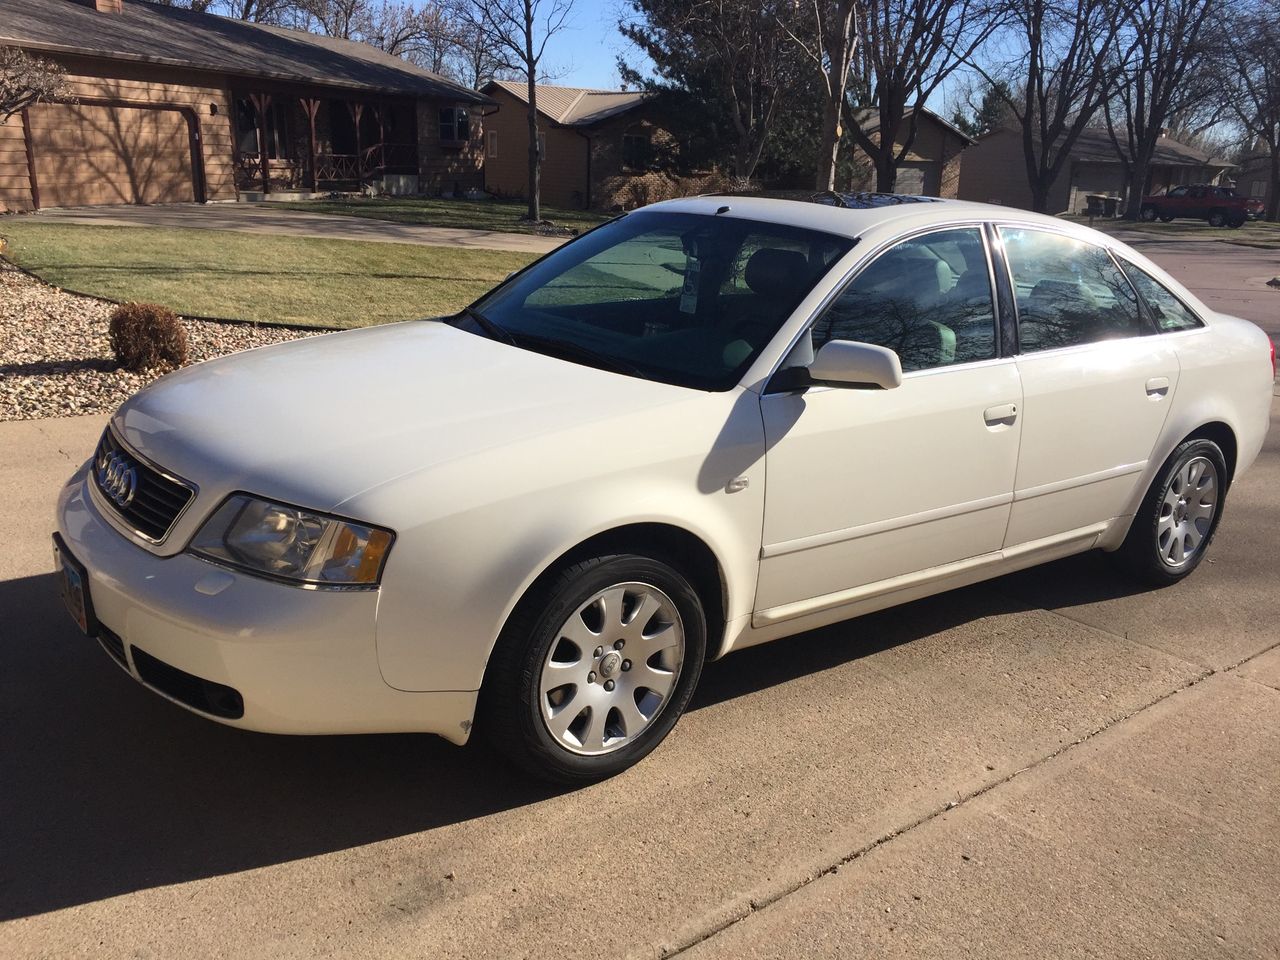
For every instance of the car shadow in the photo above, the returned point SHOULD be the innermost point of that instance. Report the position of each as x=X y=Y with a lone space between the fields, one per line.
x=109 y=789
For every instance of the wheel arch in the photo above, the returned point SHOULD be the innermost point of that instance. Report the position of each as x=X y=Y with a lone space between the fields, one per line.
x=683 y=549
x=1221 y=434
x=1218 y=431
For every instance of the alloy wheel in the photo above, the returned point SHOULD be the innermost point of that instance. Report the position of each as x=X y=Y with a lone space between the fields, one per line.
x=611 y=668
x=1187 y=511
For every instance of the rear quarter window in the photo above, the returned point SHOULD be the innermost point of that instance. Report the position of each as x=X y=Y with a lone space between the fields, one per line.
x=1167 y=312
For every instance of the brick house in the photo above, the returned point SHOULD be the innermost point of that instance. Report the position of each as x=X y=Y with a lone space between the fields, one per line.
x=601 y=148
x=177 y=106
x=930 y=168
x=995 y=172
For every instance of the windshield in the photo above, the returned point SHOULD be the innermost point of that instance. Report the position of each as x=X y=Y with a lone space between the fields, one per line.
x=682 y=298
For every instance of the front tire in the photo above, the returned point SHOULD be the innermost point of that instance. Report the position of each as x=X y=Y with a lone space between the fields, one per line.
x=1217 y=218
x=594 y=668
x=1178 y=517
x=1166 y=218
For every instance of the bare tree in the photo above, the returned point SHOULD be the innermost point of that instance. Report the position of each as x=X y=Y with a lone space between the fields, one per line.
x=424 y=35
x=1064 y=65
x=827 y=33
x=518 y=31
x=26 y=80
x=1254 y=60
x=908 y=48
x=473 y=59
x=1168 y=40
x=335 y=18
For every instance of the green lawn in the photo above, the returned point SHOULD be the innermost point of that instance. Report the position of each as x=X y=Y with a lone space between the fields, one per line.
x=499 y=215
x=1255 y=233
x=214 y=273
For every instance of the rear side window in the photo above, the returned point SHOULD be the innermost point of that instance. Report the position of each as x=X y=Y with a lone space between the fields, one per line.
x=928 y=299
x=1168 y=312
x=1068 y=292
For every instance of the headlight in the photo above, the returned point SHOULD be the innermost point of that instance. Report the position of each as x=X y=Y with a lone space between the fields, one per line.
x=292 y=544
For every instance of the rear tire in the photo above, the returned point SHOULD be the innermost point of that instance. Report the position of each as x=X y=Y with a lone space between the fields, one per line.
x=1147 y=214
x=594 y=668
x=1178 y=517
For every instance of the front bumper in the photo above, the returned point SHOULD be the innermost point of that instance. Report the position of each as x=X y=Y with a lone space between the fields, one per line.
x=300 y=661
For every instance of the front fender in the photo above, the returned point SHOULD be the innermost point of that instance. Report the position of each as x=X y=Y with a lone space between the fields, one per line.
x=491 y=528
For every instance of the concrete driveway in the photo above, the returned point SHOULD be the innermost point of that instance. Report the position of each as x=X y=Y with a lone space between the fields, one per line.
x=268 y=218
x=1053 y=764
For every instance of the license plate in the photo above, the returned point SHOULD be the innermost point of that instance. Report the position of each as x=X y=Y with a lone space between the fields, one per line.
x=73 y=584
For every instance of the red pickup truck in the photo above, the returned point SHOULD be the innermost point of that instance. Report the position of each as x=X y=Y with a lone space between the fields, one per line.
x=1221 y=206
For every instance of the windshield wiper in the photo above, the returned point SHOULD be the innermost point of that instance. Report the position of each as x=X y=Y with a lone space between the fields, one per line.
x=495 y=330
x=568 y=349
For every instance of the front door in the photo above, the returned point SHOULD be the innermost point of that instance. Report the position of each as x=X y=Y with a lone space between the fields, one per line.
x=868 y=485
x=1096 y=391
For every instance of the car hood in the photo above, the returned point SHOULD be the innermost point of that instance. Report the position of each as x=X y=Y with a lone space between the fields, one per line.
x=316 y=421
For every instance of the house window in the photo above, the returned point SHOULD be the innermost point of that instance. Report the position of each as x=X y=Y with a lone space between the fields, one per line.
x=636 y=151
x=276 y=129
x=492 y=151
x=1258 y=189
x=455 y=124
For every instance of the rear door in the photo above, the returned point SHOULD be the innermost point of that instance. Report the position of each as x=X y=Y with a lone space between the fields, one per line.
x=1096 y=388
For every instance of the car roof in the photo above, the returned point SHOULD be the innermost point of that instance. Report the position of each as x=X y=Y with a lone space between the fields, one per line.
x=852 y=215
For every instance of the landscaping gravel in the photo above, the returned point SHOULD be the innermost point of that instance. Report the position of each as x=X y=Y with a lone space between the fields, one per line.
x=55 y=359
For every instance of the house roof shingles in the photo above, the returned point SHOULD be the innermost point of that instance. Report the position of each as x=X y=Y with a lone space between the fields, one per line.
x=1095 y=146
x=152 y=33
x=573 y=106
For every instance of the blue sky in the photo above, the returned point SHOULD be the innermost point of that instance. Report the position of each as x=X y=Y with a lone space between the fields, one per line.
x=586 y=55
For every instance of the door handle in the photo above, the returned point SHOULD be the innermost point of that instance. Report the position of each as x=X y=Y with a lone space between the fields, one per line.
x=1002 y=413
x=1157 y=387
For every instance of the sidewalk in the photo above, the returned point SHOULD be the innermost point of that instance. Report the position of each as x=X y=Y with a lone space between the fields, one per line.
x=266 y=218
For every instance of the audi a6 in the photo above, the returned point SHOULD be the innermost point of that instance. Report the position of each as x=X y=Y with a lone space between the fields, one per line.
x=701 y=426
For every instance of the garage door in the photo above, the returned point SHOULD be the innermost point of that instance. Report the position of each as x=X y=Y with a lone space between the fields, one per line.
x=87 y=154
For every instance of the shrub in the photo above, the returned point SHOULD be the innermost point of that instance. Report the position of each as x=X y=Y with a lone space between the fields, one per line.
x=146 y=336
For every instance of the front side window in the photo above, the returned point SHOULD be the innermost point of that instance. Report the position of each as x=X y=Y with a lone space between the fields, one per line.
x=1068 y=291
x=1178 y=192
x=1168 y=312
x=682 y=298
x=928 y=299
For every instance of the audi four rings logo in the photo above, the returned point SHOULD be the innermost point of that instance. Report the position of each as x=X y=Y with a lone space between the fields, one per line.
x=118 y=479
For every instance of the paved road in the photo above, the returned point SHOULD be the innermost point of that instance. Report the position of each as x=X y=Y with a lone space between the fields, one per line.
x=1049 y=765
x=266 y=218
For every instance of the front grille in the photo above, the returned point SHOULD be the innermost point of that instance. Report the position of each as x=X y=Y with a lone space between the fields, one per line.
x=149 y=501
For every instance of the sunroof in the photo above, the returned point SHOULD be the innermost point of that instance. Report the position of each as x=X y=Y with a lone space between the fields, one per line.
x=866 y=201
x=835 y=198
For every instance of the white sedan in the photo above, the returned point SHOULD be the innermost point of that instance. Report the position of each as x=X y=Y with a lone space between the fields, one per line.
x=702 y=426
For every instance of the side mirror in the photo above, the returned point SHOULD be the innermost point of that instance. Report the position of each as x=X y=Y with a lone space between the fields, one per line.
x=844 y=363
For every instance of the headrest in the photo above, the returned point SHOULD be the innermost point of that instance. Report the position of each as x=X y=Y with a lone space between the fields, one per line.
x=776 y=273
